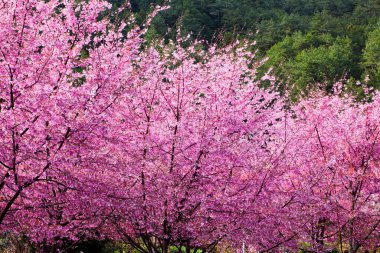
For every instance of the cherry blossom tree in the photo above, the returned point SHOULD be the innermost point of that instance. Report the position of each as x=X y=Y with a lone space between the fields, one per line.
x=194 y=150
x=61 y=68
x=330 y=190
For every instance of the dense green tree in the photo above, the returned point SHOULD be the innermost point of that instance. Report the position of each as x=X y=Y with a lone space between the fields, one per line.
x=371 y=57
x=320 y=65
x=303 y=62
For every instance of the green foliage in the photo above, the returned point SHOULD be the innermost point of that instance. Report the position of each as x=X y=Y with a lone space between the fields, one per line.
x=303 y=61
x=371 y=57
x=317 y=65
x=175 y=249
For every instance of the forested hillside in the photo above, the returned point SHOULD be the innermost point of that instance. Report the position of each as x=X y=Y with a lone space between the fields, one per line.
x=307 y=41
